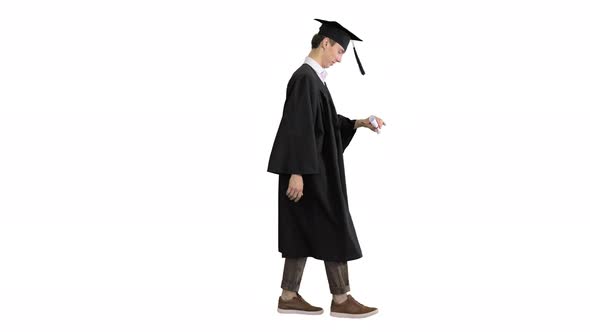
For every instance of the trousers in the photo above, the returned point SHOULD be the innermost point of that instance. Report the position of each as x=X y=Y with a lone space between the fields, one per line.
x=337 y=273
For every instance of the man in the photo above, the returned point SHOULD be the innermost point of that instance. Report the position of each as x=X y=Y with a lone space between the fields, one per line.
x=308 y=151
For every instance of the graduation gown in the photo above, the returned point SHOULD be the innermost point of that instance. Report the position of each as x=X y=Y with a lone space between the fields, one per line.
x=310 y=141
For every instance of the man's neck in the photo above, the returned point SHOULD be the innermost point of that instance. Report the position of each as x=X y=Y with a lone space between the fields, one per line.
x=316 y=55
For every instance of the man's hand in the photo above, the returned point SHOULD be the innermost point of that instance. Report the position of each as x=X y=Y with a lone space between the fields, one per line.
x=295 y=190
x=367 y=124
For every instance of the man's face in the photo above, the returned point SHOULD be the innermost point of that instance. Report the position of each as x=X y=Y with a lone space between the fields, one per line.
x=332 y=54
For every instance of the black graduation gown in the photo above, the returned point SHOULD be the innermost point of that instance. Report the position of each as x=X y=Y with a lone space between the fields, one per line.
x=310 y=141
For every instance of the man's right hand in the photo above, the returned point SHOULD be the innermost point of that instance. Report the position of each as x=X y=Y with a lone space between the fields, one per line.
x=295 y=190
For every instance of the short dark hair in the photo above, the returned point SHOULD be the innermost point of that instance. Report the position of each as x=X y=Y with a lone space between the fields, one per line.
x=317 y=40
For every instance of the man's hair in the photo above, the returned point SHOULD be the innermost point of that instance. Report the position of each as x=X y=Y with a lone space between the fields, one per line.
x=317 y=40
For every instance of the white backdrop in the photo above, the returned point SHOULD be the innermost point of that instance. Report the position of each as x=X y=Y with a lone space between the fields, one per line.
x=135 y=135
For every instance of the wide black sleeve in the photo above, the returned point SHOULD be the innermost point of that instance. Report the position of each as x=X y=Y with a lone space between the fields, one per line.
x=347 y=130
x=294 y=150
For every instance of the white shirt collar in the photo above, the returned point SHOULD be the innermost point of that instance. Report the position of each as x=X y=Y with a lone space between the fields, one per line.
x=322 y=73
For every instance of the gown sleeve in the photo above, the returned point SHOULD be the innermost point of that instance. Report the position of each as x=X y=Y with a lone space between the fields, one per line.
x=294 y=150
x=347 y=130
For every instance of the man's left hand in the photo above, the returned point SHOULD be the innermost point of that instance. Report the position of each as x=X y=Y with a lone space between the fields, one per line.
x=367 y=124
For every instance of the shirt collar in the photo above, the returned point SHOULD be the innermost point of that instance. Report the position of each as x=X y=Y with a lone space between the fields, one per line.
x=322 y=73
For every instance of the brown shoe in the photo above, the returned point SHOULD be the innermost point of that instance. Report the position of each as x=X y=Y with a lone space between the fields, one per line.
x=351 y=309
x=298 y=305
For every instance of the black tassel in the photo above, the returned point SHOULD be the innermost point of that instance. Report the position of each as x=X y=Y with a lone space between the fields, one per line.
x=358 y=60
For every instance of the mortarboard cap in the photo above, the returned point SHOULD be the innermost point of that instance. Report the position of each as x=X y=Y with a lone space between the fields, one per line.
x=341 y=35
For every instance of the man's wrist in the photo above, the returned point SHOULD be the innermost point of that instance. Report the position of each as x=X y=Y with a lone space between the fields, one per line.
x=358 y=123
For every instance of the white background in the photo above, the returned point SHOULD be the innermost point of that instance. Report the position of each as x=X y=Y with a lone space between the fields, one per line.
x=135 y=135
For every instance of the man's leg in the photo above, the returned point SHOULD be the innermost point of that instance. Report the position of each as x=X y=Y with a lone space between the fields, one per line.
x=292 y=274
x=290 y=301
x=344 y=305
x=337 y=273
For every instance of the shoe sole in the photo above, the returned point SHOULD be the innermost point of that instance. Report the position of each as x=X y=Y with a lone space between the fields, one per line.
x=344 y=315
x=301 y=312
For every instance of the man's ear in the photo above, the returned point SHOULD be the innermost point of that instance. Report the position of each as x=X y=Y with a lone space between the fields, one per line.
x=325 y=42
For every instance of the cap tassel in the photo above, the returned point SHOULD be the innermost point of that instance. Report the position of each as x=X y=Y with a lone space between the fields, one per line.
x=358 y=60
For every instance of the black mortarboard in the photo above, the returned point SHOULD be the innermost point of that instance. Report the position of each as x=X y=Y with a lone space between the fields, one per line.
x=341 y=35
